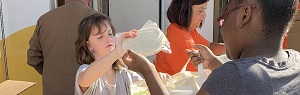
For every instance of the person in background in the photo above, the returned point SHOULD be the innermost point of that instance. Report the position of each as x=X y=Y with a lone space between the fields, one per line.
x=51 y=48
x=185 y=16
x=253 y=32
x=98 y=52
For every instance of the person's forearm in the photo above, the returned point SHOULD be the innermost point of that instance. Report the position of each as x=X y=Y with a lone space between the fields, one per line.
x=97 y=69
x=202 y=91
x=39 y=68
x=215 y=63
x=154 y=83
x=35 y=60
x=217 y=48
x=34 y=54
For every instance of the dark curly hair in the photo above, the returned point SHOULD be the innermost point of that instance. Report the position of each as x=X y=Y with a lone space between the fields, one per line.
x=277 y=16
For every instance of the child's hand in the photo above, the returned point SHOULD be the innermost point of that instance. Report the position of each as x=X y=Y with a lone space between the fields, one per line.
x=120 y=38
x=164 y=75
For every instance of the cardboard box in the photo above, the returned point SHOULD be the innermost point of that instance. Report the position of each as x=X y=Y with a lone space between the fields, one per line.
x=12 y=87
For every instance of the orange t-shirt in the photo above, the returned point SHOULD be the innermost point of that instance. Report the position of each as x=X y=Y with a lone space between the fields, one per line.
x=180 y=40
x=284 y=45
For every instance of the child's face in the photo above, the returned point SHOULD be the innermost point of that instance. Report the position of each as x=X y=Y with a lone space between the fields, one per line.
x=101 y=43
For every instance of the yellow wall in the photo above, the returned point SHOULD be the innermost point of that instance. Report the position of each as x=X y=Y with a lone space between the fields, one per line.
x=16 y=47
x=2 y=67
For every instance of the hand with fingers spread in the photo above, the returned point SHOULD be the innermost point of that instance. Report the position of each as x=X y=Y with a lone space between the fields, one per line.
x=197 y=59
x=139 y=63
x=205 y=56
x=120 y=37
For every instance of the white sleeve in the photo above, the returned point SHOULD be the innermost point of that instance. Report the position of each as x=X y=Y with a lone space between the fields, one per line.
x=79 y=71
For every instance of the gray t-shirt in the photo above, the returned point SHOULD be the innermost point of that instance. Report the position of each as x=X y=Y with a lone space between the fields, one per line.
x=256 y=76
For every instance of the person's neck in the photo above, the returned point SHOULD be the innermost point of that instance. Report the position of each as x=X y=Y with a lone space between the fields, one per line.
x=186 y=29
x=268 y=49
x=191 y=28
x=110 y=76
x=83 y=2
x=68 y=1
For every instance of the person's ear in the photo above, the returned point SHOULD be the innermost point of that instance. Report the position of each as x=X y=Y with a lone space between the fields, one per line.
x=246 y=15
x=66 y=1
x=88 y=44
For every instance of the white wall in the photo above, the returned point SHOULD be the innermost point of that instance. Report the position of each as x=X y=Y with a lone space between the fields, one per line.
x=19 y=14
x=5 y=16
x=206 y=31
x=164 y=8
x=133 y=14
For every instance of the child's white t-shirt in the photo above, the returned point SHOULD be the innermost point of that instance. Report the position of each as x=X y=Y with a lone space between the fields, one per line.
x=100 y=87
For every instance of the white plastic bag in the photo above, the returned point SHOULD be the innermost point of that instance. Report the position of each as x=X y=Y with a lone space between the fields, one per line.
x=150 y=40
x=182 y=83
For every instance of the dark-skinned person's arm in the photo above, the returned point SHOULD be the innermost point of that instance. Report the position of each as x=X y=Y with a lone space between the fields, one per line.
x=217 y=48
x=202 y=91
x=203 y=55
x=139 y=63
x=224 y=79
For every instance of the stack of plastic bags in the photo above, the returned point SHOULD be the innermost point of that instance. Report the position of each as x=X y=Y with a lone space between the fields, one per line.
x=151 y=40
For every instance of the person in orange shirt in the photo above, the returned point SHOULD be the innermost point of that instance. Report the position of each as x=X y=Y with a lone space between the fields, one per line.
x=285 y=41
x=185 y=16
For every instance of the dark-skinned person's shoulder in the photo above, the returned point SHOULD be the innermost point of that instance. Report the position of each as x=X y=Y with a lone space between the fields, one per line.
x=236 y=78
x=243 y=76
x=256 y=76
x=224 y=80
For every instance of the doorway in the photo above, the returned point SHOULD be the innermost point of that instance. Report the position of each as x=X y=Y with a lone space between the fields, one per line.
x=220 y=6
x=294 y=34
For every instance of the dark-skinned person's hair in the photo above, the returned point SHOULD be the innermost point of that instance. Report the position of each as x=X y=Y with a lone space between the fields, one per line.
x=277 y=16
x=180 y=12
x=83 y=54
